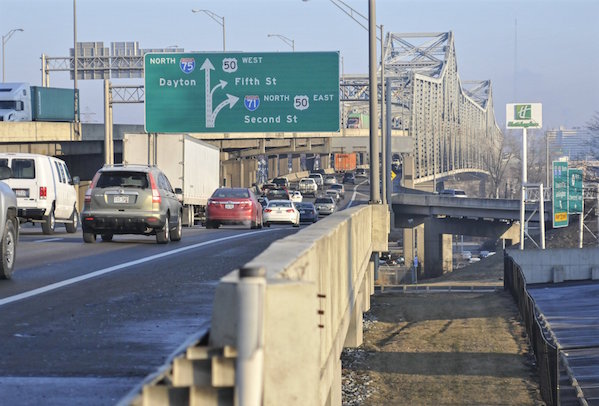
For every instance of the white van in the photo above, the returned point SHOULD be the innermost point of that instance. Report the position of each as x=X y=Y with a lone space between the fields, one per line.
x=45 y=190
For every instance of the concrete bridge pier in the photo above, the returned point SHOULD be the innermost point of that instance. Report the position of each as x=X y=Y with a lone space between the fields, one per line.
x=296 y=163
x=239 y=172
x=283 y=165
x=273 y=166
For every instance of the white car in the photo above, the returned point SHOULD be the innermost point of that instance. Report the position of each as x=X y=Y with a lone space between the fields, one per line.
x=330 y=180
x=45 y=190
x=281 y=211
x=296 y=196
x=334 y=194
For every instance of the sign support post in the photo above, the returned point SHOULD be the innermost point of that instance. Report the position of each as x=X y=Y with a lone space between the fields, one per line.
x=524 y=115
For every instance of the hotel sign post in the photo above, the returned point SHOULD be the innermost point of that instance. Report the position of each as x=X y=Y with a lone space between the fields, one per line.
x=523 y=115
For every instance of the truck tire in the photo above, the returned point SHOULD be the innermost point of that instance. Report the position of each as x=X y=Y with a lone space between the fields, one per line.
x=178 y=233
x=89 y=237
x=49 y=223
x=73 y=223
x=162 y=235
x=8 y=250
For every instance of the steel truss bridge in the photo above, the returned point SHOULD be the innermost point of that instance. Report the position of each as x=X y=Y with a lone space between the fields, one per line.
x=451 y=121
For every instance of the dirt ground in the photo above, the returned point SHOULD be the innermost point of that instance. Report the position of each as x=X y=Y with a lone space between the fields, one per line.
x=447 y=348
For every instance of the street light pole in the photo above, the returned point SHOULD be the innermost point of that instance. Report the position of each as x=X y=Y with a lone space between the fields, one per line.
x=375 y=196
x=5 y=39
x=219 y=20
x=286 y=40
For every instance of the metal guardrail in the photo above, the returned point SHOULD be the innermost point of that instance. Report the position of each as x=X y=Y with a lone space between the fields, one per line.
x=547 y=354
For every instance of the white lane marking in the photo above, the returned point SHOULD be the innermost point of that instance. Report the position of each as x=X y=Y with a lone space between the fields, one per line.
x=353 y=197
x=57 y=285
x=49 y=239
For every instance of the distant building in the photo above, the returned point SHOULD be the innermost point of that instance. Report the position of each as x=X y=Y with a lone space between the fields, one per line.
x=576 y=143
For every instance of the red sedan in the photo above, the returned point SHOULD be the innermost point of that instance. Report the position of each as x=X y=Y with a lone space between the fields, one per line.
x=233 y=206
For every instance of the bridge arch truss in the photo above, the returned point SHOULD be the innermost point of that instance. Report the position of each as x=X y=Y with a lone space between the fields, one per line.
x=451 y=122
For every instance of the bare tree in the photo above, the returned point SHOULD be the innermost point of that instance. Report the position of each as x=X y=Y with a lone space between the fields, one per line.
x=501 y=151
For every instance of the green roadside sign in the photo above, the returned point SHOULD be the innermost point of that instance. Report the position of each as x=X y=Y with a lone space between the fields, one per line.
x=241 y=92
x=574 y=190
x=560 y=194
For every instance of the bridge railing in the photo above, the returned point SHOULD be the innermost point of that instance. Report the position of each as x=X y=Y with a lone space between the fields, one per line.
x=317 y=285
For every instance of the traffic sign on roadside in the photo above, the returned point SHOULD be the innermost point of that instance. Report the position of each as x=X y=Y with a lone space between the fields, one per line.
x=560 y=194
x=574 y=190
x=242 y=92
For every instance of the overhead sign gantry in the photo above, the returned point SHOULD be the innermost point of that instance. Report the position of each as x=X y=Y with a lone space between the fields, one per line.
x=242 y=92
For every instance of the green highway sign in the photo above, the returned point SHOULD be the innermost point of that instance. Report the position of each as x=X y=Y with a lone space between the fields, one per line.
x=560 y=194
x=241 y=92
x=574 y=190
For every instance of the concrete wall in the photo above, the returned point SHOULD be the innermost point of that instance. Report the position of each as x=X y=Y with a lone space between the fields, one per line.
x=318 y=285
x=558 y=264
x=36 y=131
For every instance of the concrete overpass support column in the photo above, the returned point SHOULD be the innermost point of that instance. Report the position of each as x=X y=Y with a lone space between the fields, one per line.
x=296 y=164
x=325 y=161
x=272 y=167
x=432 y=263
x=249 y=169
x=232 y=172
x=283 y=165
x=447 y=252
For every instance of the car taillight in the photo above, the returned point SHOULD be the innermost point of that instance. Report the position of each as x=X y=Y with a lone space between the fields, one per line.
x=289 y=210
x=267 y=210
x=88 y=192
x=156 y=198
x=43 y=192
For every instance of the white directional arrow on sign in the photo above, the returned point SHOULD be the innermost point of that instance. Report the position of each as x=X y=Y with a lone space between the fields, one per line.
x=231 y=100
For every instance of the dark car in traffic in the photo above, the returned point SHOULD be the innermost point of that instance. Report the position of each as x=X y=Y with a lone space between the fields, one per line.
x=278 y=194
x=308 y=213
x=349 y=177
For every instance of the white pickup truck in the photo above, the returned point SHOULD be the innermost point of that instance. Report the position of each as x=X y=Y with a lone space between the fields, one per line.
x=308 y=186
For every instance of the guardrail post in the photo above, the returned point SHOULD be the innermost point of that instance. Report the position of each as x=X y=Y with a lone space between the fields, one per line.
x=249 y=377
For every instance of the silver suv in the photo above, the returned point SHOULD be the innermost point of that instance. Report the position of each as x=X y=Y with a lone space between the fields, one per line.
x=9 y=225
x=131 y=199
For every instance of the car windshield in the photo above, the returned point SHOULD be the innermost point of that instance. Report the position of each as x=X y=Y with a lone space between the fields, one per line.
x=123 y=179
x=232 y=193
x=335 y=187
x=306 y=181
x=326 y=200
x=304 y=205
x=279 y=204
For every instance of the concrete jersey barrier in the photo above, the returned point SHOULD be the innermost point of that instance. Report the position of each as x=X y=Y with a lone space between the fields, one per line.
x=317 y=285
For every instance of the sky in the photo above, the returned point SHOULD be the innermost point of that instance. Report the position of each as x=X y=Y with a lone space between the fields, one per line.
x=554 y=60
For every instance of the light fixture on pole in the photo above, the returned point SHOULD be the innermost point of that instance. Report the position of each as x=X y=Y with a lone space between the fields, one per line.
x=286 y=40
x=5 y=39
x=220 y=20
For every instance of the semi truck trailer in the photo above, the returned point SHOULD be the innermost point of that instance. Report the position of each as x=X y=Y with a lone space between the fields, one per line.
x=21 y=102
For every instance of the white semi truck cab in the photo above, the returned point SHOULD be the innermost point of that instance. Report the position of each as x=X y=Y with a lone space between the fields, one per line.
x=15 y=102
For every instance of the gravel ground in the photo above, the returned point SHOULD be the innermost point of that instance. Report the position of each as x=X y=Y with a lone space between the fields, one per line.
x=448 y=348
